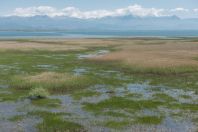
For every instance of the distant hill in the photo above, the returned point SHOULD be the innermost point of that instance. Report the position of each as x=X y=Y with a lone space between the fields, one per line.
x=107 y=23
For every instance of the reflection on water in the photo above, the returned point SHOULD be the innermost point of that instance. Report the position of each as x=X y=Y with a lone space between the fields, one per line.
x=91 y=55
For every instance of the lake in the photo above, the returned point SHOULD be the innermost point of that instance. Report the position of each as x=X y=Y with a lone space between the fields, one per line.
x=98 y=34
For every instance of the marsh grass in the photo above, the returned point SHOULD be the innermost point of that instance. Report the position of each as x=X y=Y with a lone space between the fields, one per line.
x=189 y=107
x=16 y=118
x=149 y=120
x=159 y=62
x=164 y=97
x=186 y=96
x=53 y=122
x=121 y=103
x=50 y=103
x=155 y=54
x=134 y=95
x=143 y=69
x=54 y=82
x=117 y=124
x=38 y=93
x=175 y=70
x=14 y=95
x=185 y=107
x=115 y=114
x=86 y=93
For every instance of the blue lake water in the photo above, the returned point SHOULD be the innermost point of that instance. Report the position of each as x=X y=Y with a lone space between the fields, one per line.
x=98 y=34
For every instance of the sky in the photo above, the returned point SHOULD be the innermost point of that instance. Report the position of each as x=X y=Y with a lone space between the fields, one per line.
x=99 y=8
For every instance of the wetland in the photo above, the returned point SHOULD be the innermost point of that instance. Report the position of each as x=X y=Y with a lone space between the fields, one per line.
x=100 y=85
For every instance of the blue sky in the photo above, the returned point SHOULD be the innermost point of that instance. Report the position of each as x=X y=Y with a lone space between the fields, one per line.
x=8 y=6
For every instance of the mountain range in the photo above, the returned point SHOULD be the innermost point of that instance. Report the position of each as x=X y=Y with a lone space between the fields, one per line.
x=123 y=23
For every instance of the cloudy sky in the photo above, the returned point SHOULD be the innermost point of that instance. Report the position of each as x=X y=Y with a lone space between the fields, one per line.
x=99 y=8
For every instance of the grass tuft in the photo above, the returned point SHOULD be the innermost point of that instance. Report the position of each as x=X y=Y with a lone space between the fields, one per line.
x=116 y=124
x=122 y=103
x=47 y=103
x=149 y=120
x=80 y=95
x=53 y=122
x=38 y=93
x=52 y=81
x=16 y=118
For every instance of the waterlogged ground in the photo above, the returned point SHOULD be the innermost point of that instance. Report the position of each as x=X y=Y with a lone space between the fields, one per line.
x=86 y=95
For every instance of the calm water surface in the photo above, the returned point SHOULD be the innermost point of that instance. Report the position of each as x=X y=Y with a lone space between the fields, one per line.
x=98 y=34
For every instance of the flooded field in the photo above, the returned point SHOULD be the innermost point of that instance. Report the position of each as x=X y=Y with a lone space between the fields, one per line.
x=99 y=85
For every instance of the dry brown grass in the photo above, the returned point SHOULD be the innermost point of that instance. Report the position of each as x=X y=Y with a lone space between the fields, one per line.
x=12 y=45
x=50 y=77
x=155 y=53
x=144 y=52
x=54 y=44
x=54 y=82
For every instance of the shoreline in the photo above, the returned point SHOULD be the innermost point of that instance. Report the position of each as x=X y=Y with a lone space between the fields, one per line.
x=56 y=34
x=102 y=37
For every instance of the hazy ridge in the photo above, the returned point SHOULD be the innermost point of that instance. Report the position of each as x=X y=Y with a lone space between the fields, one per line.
x=107 y=23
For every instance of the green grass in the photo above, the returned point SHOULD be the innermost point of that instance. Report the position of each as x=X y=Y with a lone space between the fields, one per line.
x=19 y=66
x=121 y=103
x=186 y=107
x=190 y=107
x=53 y=122
x=87 y=93
x=177 y=77
x=116 y=124
x=134 y=95
x=53 y=103
x=54 y=82
x=39 y=93
x=186 y=96
x=128 y=69
x=195 y=120
x=164 y=97
x=149 y=120
x=16 y=118
x=164 y=71
x=115 y=114
x=14 y=95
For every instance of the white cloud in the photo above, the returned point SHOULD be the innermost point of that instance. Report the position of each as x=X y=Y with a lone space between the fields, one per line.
x=138 y=10
x=135 y=10
x=75 y=12
x=179 y=9
x=195 y=10
x=33 y=11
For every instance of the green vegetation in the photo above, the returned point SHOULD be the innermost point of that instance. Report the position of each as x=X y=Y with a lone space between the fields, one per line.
x=134 y=95
x=13 y=97
x=54 y=82
x=53 y=122
x=122 y=103
x=117 y=124
x=163 y=71
x=16 y=118
x=47 y=103
x=186 y=107
x=88 y=93
x=115 y=114
x=186 y=96
x=149 y=120
x=39 y=93
x=35 y=75
x=164 y=97
x=190 y=107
